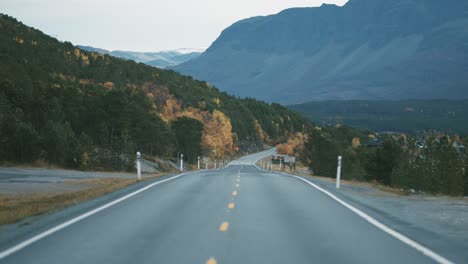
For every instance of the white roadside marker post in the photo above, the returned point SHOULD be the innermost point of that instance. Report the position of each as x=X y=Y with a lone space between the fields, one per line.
x=181 y=162
x=338 y=173
x=198 y=162
x=206 y=165
x=138 y=165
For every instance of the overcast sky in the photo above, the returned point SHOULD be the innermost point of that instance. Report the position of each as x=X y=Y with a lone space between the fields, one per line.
x=142 y=25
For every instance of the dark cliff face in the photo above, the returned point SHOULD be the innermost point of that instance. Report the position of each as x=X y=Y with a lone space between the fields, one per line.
x=367 y=49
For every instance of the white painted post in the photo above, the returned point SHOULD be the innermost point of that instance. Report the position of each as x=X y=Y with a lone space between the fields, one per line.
x=138 y=165
x=281 y=162
x=338 y=173
x=181 y=162
x=198 y=162
x=206 y=165
x=214 y=164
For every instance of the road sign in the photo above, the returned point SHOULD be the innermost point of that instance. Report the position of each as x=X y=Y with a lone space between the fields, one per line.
x=289 y=159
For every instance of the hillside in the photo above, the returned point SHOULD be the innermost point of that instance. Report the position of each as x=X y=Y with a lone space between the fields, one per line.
x=62 y=105
x=367 y=49
x=162 y=59
x=398 y=116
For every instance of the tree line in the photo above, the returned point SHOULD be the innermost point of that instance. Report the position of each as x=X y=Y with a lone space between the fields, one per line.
x=430 y=162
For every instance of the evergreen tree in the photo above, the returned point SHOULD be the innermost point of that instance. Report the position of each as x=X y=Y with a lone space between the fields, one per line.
x=322 y=153
x=188 y=134
x=383 y=162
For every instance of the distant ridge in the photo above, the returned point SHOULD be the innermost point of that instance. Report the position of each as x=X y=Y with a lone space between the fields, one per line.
x=449 y=116
x=161 y=59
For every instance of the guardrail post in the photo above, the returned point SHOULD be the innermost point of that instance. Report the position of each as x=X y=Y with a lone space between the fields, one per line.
x=181 y=162
x=138 y=165
x=338 y=173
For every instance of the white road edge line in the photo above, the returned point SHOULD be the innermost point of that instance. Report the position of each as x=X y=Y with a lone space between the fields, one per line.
x=52 y=230
x=406 y=240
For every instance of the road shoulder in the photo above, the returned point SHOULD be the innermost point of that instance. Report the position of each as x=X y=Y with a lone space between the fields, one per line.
x=12 y=234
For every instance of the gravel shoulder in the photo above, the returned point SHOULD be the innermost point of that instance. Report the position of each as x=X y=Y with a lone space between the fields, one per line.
x=438 y=222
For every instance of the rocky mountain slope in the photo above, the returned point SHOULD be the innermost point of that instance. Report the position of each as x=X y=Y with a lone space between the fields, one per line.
x=367 y=49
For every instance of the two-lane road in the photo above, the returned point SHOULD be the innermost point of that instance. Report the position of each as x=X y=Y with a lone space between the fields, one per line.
x=236 y=215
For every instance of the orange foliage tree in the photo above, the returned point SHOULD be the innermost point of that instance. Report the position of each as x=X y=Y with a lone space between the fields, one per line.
x=284 y=149
x=293 y=146
x=356 y=143
x=217 y=135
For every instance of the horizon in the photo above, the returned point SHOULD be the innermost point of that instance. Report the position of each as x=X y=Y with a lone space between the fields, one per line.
x=125 y=27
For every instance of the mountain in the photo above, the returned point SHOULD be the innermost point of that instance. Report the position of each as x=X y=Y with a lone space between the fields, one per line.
x=397 y=116
x=162 y=59
x=66 y=106
x=367 y=49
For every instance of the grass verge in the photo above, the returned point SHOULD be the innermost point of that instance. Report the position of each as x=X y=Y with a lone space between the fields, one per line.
x=16 y=207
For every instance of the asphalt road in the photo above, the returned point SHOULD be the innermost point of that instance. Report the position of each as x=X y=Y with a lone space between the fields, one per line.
x=236 y=215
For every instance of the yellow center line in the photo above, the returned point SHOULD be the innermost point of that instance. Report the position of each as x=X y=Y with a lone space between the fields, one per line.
x=224 y=227
x=231 y=205
x=211 y=261
x=234 y=193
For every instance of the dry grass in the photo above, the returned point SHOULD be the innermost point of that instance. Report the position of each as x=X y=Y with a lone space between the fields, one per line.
x=37 y=164
x=16 y=207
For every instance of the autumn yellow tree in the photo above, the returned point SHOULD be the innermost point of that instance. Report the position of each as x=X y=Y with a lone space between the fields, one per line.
x=262 y=136
x=356 y=142
x=217 y=135
x=284 y=149
x=171 y=109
